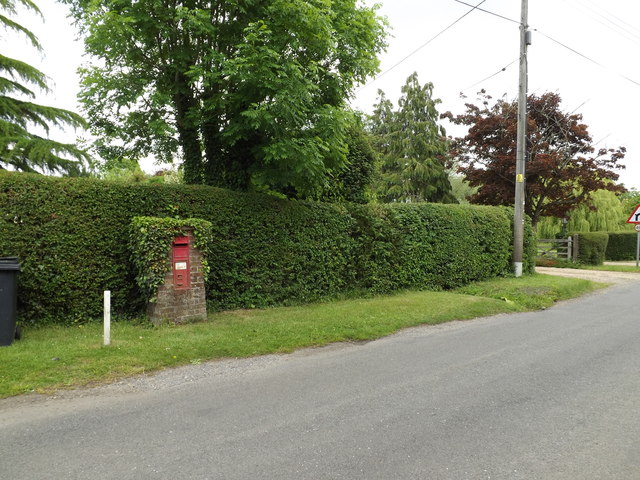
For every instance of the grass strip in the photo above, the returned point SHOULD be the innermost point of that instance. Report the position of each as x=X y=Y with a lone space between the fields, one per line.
x=613 y=268
x=51 y=358
x=580 y=266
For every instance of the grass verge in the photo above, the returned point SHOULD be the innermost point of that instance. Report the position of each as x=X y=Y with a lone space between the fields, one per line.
x=613 y=268
x=52 y=358
x=579 y=266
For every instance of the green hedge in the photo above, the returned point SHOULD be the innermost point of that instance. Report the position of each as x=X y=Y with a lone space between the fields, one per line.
x=622 y=246
x=72 y=237
x=592 y=247
x=430 y=245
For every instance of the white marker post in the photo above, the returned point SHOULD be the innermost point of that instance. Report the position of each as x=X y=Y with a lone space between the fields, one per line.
x=107 y=317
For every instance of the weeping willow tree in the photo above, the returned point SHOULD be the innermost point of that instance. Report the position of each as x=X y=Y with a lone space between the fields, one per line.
x=604 y=212
x=23 y=146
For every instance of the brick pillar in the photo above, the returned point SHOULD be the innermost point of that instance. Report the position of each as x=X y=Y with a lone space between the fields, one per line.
x=181 y=305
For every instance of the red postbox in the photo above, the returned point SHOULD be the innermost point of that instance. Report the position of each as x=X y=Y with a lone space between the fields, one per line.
x=180 y=265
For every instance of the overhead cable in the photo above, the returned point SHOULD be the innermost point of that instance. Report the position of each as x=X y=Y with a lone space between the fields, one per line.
x=557 y=42
x=474 y=7
x=503 y=69
x=490 y=13
x=608 y=20
x=585 y=57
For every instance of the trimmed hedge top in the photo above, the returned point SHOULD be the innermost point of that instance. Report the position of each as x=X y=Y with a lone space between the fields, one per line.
x=72 y=237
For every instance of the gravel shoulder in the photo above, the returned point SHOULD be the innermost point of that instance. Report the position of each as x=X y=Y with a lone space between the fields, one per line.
x=593 y=275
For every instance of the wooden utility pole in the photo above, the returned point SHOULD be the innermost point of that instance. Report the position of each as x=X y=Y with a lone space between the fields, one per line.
x=518 y=218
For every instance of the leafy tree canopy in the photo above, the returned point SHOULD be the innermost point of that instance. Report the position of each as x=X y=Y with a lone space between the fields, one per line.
x=630 y=200
x=246 y=92
x=602 y=212
x=412 y=147
x=21 y=146
x=563 y=167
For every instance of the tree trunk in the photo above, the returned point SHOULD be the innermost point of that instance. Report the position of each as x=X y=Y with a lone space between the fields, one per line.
x=214 y=170
x=187 y=131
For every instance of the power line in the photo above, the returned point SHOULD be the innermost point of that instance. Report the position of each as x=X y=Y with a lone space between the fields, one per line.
x=474 y=7
x=627 y=26
x=477 y=7
x=490 y=13
x=555 y=41
x=579 y=106
x=621 y=20
x=602 y=139
x=503 y=69
x=586 y=57
x=608 y=20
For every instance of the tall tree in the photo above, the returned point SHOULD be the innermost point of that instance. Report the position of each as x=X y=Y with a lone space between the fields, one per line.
x=244 y=91
x=562 y=170
x=602 y=212
x=22 y=147
x=412 y=146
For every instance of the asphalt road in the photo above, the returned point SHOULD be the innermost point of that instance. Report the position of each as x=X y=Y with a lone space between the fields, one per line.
x=545 y=395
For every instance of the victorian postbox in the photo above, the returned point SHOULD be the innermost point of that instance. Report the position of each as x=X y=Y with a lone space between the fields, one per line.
x=180 y=264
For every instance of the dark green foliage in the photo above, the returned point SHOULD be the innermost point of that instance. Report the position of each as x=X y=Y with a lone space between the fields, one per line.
x=430 y=245
x=268 y=251
x=72 y=237
x=622 y=246
x=530 y=247
x=73 y=241
x=150 y=242
x=412 y=147
x=351 y=182
x=247 y=93
x=592 y=247
x=22 y=146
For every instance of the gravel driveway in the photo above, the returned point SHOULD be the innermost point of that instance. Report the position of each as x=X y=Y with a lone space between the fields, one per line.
x=595 y=275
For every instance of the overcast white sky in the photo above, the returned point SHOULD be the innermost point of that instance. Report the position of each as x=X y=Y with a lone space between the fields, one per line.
x=460 y=59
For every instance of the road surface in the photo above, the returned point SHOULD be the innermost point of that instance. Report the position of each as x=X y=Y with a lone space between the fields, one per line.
x=546 y=395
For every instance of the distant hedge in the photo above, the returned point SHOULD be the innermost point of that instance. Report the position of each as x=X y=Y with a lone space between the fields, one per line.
x=592 y=247
x=622 y=246
x=72 y=239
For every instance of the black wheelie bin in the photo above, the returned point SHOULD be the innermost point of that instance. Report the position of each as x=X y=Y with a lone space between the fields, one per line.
x=9 y=268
